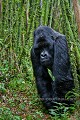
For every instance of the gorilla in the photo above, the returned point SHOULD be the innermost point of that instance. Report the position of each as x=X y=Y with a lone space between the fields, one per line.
x=50 y=52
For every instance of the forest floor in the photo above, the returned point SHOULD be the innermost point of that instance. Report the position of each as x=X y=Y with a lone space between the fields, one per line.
x=17 y=103
x=21 y=103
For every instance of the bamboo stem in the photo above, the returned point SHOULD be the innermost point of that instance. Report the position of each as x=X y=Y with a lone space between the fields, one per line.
x=77 y=14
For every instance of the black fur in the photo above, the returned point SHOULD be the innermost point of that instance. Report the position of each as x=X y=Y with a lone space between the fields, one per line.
x=58 y=62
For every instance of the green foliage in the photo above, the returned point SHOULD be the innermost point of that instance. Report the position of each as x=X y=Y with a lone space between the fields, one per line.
x=29 y=117
x=2 y=88
x=18 y=84
x=53 y=78
x=18 y=21
x=6 y=114
x=61 y=112
x=71 y=37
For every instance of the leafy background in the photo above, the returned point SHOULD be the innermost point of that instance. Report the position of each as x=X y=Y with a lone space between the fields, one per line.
x=18 y=20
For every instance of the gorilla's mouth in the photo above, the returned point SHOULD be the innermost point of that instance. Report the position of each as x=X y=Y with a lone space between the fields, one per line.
x=45 y=62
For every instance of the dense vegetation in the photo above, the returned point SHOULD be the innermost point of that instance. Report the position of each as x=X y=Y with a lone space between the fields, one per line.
x=18 y=20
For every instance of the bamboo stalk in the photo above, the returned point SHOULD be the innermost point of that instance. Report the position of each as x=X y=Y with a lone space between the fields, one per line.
x=51 y=13
x=0 y=8
x=77 y=14
x=71 y=43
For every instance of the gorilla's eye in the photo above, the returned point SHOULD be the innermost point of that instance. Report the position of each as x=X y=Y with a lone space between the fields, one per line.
x=43 y=45
x=36 y=50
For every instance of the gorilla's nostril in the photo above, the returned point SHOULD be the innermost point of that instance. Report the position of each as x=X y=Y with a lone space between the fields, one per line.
x=43 y=55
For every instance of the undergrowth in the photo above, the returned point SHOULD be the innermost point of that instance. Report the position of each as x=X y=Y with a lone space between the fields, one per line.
x=18 y=95
x=19 y=101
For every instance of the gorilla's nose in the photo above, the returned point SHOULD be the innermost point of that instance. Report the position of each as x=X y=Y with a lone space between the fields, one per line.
x=43 y=55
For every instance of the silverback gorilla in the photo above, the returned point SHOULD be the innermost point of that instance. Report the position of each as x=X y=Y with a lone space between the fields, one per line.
x=50 y=51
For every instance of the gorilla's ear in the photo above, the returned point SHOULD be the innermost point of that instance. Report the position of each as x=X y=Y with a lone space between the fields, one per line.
x=61 y=58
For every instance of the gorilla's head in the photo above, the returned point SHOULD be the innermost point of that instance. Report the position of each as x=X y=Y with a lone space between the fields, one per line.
x=43 y=48
x=50 y=50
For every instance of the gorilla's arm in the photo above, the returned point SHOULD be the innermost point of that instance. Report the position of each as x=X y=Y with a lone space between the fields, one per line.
x=61 y=67
x=43 y=81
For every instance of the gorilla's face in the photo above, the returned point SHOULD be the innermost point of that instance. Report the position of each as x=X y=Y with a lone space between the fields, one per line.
x=44 y=50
